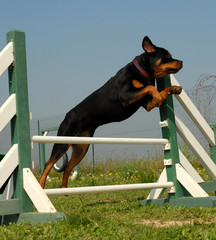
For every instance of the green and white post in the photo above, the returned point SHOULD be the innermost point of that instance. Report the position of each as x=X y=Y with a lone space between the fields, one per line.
x=20 y=129
x=12 y=209
x=167 y=114
x=20 y=207
x=186 y=191
x=171 y=153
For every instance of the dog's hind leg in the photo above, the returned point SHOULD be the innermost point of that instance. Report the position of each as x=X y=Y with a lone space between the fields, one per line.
x=79 y=151
x=58 y=151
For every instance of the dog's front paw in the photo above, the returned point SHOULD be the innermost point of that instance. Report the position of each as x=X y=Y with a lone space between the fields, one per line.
x=175 y=90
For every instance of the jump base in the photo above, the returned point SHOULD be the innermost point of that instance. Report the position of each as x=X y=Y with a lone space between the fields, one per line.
x=183 y=201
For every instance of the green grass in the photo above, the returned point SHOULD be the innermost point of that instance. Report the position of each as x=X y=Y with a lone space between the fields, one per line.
x=118 y=215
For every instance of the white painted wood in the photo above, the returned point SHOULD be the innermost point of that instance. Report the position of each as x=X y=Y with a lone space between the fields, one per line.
x=9 y=190
x=189 y=168
x=196 y=147
x=158 y=192
x=7 y=111
x=189 y=183
x=36 y=193
x=98 y=140
x=8 y=164
x=194 y=114
x=6 y=57
x=106 y=188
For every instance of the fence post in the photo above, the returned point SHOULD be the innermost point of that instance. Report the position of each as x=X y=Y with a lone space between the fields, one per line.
x=42 y=153
x=213 y=148
x=20 y=130
x=167 y=113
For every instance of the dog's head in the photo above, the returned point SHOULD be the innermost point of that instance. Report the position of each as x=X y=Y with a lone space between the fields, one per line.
x=160 y=60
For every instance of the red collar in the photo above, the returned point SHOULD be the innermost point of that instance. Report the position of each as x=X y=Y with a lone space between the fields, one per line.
x=141 y=69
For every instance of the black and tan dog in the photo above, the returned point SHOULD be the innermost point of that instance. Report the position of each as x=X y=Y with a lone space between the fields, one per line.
x=119 y=98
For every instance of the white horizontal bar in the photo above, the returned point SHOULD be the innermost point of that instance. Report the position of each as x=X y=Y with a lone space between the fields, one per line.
x=106 y=188
x=97 y=140
x=194 y=114
x=6 y=57
x=8 y=164
x=7 y=111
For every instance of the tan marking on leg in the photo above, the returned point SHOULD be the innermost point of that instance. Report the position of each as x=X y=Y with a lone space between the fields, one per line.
x=79 y=152
x=137 y=84
x=149 y=90
x=48 y=166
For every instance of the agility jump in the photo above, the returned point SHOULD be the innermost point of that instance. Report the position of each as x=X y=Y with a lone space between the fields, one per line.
x=177 y=176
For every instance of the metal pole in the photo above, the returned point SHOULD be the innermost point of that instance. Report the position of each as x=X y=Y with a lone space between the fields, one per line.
x=106 y=188
x=98 y=140
x=93 y=159
x=39 y=148
x=43 y=154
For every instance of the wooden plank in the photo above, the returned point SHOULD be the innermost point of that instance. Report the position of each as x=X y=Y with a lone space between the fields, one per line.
x=184 y=201
x=158 y=192
x=189 y=183
x=20 y=129
x=213 y=148
x=36 y=218
x=36 y=193
x=8 y=164
x=6 y=57
x=9 y=207
x=8 y=190
x=194 y=114
x=196 y=148
x=167 y=114
x=189 y=168
x=7 y=111
x=208 y=186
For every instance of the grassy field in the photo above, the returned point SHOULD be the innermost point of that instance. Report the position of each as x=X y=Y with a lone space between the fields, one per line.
x=118 y=215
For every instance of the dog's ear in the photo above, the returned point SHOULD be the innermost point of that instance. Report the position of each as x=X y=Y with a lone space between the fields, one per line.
x=147 y=45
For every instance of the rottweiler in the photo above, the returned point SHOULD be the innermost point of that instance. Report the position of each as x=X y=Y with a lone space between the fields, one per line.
x=132 y=87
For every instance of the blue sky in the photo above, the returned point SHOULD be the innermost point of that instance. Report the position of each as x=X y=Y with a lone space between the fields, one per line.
x=74 y=47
